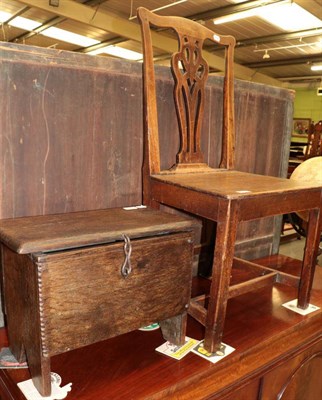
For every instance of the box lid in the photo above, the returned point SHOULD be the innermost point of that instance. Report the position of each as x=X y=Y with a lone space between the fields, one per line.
x=47 y=233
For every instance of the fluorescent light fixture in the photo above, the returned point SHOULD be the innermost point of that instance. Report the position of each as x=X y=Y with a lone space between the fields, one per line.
x=69 y=37
x=4 y=16
x=236 y=16
x=247 y=13
x=19 y=22
x=117 y=51
x=316 y=67
x=286 y=15
x=52 y=32
x=24 y=23
x=289 y=17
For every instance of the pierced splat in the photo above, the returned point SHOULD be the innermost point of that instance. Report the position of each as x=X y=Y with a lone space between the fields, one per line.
x=190 y=72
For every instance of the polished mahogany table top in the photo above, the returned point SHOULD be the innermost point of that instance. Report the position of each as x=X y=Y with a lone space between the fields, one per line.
x=128 y=367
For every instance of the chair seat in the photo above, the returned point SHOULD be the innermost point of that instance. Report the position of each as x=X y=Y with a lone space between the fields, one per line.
x=234 y=184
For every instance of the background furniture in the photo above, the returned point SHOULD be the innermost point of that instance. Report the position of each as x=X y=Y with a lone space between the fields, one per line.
x=309 y=170
x=305 y=146
x=223 y=194
x=314 y=144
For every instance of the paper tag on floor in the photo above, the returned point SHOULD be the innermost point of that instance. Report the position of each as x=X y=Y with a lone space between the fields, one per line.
x=57 y=392
x=177 y=352
x=292 y=305
x=223 y=352
x=130 y=208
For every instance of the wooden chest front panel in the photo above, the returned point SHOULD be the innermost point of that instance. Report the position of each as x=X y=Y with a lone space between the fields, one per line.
x=84 y=298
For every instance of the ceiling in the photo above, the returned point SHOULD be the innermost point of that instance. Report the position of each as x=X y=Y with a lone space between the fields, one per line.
x=109 y=22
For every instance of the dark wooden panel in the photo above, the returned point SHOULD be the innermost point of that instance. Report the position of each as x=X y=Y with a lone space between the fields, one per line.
x=71 y=133
x=247 y=392
x=296 y=379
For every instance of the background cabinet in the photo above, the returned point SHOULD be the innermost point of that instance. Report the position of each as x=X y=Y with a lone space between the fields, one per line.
x=298 y=378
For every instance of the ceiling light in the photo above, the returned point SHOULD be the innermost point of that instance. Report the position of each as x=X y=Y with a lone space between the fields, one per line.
x=289 y=17
x=24 y=23
x=52 y=32
x=266 y=56
x=236 y=16
x=316 y=67
x=69 y=37
x=246 y=13
x=4 y=16
x=285 y=14
x=117 y=51
x=19 y=22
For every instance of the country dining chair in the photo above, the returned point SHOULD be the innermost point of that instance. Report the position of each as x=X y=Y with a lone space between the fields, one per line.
x=219 y=194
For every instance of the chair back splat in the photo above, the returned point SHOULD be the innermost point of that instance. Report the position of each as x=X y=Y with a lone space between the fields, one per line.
x=190 y=71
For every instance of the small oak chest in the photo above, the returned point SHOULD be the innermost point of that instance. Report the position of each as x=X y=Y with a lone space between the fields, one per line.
x=77 y=278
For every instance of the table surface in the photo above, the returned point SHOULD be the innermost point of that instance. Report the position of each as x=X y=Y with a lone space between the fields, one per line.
x=128 y=367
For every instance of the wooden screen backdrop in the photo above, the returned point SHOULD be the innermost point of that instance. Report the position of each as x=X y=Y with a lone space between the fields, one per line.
x=71 y=134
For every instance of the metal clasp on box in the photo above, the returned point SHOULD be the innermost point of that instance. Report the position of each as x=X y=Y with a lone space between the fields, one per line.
x=126 y=267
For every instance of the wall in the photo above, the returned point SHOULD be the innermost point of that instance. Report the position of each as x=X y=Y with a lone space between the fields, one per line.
x=308 y=105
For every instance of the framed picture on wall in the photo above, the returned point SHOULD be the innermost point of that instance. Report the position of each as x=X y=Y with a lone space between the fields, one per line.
x=301 y=126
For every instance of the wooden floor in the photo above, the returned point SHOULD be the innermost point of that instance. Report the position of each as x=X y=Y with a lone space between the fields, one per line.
x=266 y=337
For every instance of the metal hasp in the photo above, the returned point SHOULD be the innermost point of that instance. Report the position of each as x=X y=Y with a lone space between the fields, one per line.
x=126 y=267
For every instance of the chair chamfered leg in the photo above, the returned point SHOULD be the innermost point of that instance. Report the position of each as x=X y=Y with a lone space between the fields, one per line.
x=221 y=271
x=309 y=259
x=173 y=329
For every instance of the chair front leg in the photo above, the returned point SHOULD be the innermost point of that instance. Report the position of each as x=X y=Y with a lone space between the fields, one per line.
x=227 y=221
x=309 y=259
